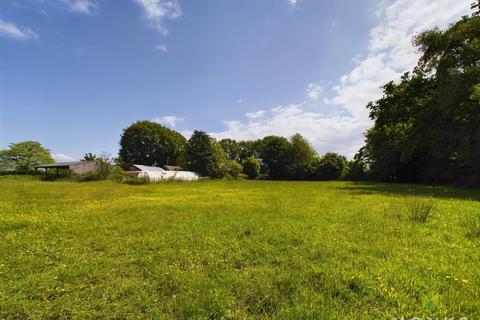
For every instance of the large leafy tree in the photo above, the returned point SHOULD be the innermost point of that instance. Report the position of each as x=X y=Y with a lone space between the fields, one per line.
x=231 y=149
x=205 y=155
x=330 y=167
x=427 y=127
x=24 y=156
x=274 y=151
x=149 y=143
x=300 y=156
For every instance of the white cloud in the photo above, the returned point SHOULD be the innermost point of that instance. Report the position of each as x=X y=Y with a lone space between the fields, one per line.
x=157 y=10
x=255 y=115
x=161 y=47
x=171 y=121
x=239 y=101
x=390 y=54
x=292 y=2
x=10 y=30
x=314 y=90
x=60 y=157
x=88 y=7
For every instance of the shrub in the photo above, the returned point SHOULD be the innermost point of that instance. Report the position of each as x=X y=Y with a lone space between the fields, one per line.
x=136 y=181
x=117 y=174
x=419 y=211
x=251 y=167
x=233 y=169
x=329 y=167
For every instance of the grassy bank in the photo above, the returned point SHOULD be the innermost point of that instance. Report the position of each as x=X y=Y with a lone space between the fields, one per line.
x=237 y=249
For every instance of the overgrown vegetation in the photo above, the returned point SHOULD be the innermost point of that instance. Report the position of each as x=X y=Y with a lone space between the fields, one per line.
x=235 y=249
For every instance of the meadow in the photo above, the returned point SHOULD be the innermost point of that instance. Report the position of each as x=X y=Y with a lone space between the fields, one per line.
x=237 y=250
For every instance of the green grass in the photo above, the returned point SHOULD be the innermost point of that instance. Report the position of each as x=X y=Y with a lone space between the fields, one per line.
x=236 y=250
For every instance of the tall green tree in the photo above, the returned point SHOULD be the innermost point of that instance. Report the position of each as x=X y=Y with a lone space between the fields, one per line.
x=300 y=158
x=231 y=149
x=149 y=143
x=427 y=126
x=205 y=155
x=274 y=152
x=329 y=167
x=24 y=156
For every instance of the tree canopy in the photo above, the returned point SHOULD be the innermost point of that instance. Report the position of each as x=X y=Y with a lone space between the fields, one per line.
x=24 y=156
x=427 y=126
x=149 y=143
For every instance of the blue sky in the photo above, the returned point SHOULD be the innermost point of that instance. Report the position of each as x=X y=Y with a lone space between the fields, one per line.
x=74 y=73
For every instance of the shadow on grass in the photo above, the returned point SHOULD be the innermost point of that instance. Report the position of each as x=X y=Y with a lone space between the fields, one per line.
x=401 y=189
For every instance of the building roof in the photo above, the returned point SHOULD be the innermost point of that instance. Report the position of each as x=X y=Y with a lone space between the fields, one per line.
x=62 y=164
x=147 y=168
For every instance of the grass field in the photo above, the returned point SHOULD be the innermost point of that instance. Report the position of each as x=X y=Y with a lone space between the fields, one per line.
x=237 y=250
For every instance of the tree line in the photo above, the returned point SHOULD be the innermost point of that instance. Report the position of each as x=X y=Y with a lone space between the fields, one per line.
x=273 y=157
x=426 y=128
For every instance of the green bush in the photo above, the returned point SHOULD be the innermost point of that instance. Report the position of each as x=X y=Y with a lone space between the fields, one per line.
x=251 y=167
x=136 y=181
x=233 y=169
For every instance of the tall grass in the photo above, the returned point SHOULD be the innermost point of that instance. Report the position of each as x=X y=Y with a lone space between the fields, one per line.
x=419 y=210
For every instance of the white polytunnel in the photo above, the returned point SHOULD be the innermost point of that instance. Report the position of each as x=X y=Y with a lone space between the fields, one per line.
x=157 y=174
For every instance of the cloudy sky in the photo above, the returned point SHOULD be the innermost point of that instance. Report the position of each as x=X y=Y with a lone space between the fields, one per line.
x=74 y=73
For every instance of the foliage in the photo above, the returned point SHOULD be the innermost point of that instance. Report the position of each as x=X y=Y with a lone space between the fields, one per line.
x=233 y=249
x=274 y=154
x=89 y=157
x=233 y=169
x=249 y=148
x=135 y=181
x=231 y=149
x=301 y=157
x=24 y=156
x=149 y=143
x=329 y=167
x=427 y=126
x=356 y=169
x=251 y=167
x=205 y=155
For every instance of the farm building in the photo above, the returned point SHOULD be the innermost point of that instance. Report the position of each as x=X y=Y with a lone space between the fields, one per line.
x=78 y=167
x=159 y=174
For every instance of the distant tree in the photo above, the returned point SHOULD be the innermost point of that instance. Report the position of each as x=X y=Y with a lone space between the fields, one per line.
x=251 y=167
x=329 y=167
x=249 y=148
x=274 y=155
x=356 y=169
x=89 y=157
x=24 y=156
x=149 y=143
x=300 y=157
x=231 y=149
x=205 y=155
